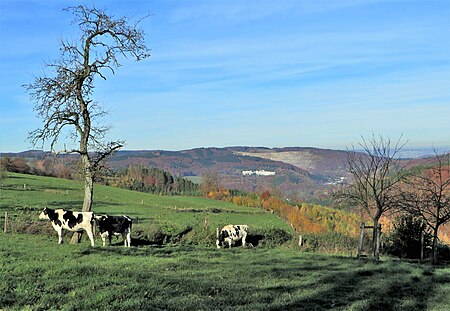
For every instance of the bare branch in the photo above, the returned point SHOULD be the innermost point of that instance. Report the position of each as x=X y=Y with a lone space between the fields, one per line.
x=63 y=98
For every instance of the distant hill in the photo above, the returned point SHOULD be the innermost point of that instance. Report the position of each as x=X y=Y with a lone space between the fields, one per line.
x=229 y=163
x=324 y=162
x=304 y=171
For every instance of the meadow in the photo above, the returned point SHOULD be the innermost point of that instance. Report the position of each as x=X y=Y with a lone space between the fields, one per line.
x=38 y=274
x=25 y=196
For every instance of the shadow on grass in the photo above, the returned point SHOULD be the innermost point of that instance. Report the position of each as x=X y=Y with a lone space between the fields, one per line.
x=151 y=250
x=76 y=205
x=31 y=188
x=346 y=286
x=185 y=277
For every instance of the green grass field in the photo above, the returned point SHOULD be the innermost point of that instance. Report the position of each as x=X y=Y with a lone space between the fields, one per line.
x=27 y=195
x=38 y=274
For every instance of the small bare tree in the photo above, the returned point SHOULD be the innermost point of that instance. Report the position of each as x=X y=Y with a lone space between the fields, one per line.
x=211 y=182
x=427 y=195
x=376 y=171
x=64 y=97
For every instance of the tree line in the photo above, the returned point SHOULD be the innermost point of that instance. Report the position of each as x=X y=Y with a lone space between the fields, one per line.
x=154 y=180
x=46 y=167
x=138 y=178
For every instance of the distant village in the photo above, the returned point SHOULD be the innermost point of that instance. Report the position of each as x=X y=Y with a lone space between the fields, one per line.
x=341 y=180
x=260 y=173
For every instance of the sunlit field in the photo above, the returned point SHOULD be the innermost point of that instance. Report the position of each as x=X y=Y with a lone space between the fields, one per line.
x=38 y=274
x=191 y=274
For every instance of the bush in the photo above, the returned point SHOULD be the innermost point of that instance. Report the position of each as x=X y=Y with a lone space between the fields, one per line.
x=25 y=220
x=199 y=235
x=443 y=252
x=330 y=242
x=151 y=234
x=268 y=237
x=404 y=240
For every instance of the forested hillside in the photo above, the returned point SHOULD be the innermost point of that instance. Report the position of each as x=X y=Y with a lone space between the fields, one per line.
x=301 y=173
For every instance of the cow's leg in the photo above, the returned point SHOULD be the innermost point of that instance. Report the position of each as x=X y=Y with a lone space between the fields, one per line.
x=127 y=238
x=104 y=235
x=91 y=236
x=124 y=237
x=60 y=235
x=243 y=240
x=229 y=243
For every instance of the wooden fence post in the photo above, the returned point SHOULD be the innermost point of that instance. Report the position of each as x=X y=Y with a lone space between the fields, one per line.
x=5 y=226
x=361 y=236
x=422 y=242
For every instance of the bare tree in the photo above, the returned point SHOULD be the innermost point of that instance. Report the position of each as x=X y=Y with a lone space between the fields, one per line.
x=376 y=171
x=427 y=195
x=64 y=96
x=211 y=182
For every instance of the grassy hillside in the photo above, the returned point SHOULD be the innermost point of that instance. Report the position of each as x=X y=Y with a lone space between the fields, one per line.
x=27 y=195
x=38 y=274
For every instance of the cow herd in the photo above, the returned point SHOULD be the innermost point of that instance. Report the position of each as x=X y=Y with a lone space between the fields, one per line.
x=110 y=226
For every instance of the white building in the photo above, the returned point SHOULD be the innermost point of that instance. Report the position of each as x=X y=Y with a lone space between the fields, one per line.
x=260 y=173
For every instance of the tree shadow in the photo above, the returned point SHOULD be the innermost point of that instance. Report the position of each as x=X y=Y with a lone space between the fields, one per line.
x=356 y=287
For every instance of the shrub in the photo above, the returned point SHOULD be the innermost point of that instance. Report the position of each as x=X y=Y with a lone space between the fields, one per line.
x=199 y=235
x=404 y=240
x=330 y=242
x=153 y=234
x=444 y=252
x=269 y=237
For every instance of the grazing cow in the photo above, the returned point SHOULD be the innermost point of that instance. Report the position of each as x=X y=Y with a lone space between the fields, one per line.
x=72 y=221
x=230 y=234
x=114 y=225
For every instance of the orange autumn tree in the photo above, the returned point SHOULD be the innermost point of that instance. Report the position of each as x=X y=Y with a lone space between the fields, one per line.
x=312 y=218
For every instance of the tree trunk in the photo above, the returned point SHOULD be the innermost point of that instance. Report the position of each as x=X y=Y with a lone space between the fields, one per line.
x=88 y=194
x=434 y=257
x=375 y=253
x=88 y=191
x=375 y=236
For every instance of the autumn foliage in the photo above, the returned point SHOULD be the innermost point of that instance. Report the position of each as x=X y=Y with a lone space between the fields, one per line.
x=303 y=218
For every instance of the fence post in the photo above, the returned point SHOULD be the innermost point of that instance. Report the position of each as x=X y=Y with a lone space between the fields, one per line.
x=361 y=236
x=422 y=242
x=5 y=227
x=300 y=240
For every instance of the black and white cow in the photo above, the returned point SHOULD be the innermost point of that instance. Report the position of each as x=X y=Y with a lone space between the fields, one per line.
x=72 y=221
x=114 y=225
x=231 y=234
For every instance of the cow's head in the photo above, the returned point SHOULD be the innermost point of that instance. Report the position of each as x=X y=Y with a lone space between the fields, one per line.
x=44 y=214
x=100 y=218
x=221 y=235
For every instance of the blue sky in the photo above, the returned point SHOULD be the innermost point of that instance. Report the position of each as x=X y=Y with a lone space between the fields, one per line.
x=256 y=73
